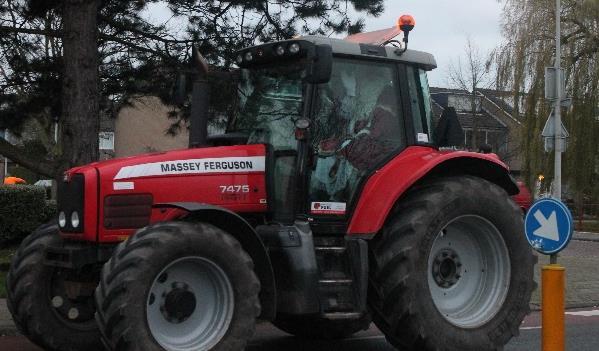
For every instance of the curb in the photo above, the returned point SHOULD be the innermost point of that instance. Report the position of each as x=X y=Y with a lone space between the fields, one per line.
x=585 y=236
x=9 y=331
x=569 y=306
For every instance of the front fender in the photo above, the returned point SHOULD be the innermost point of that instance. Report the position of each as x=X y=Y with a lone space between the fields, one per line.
x=239 y=228
x=383 y=189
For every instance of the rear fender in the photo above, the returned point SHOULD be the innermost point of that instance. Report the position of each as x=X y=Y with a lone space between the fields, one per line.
x=418 y=164
x=239 y=228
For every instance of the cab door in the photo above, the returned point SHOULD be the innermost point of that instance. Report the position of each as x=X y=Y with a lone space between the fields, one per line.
x=357 y=128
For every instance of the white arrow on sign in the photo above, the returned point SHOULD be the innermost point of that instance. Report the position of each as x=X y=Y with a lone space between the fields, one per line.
x=548 y=228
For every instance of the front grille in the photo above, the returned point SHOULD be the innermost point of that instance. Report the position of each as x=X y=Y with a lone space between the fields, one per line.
x=71 y=199
x=129 y=211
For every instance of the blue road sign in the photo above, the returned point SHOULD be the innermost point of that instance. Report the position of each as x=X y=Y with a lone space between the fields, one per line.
x=548 y=226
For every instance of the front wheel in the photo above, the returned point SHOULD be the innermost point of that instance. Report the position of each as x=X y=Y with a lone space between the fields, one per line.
x=182 y=287
x=53 y=307
x=452 y=269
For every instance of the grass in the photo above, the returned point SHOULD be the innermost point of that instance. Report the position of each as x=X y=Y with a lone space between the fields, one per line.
x=6 y=255
x=2 y=285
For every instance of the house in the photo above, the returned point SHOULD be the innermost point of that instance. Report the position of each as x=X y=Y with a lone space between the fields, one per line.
x=142 y=127
x=497 y=124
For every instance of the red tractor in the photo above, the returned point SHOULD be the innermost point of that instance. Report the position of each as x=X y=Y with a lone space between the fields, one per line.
x=325 y=206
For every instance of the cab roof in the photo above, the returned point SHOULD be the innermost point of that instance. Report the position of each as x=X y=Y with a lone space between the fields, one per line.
x=343 y=47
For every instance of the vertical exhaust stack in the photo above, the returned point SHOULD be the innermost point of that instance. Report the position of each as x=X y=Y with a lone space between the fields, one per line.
x=200 y=100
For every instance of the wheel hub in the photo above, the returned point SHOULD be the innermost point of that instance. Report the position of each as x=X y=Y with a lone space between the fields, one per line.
x=190 y=304
x=469 y=288
x=178 y=304
x=447 y=268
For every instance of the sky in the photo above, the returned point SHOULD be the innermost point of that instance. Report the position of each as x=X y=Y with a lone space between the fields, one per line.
x=442 y=27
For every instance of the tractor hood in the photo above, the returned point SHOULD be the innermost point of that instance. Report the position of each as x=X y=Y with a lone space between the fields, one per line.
x=118 y=191
x=240 y=159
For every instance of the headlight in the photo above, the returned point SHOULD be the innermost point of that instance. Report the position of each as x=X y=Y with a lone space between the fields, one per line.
x=249 y=56
x=280 y=50
x=294 y=48
x=62 y=219
x=75 y=219
x=239 y=59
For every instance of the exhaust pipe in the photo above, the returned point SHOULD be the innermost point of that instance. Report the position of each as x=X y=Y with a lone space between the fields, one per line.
x=200 y=100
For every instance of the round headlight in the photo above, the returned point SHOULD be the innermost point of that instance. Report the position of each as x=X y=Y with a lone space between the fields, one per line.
x=294 y=48
x=62 y=219
x=249 y=56
x=239 y=59
x=280 y=50
x=75 y=219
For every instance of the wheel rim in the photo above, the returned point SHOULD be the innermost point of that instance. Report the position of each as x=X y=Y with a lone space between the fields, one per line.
x=469 y=271
x=190 y=305
x=77 y=311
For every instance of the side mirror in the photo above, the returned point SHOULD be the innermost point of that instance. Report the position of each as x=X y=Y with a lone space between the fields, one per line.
x=449 y=131
x=319 y=71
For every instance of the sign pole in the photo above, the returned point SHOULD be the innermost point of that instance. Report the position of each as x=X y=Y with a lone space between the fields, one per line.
x=557 y=181
x=553 y=275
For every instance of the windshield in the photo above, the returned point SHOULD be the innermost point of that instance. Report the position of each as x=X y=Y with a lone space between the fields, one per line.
x=270 y=101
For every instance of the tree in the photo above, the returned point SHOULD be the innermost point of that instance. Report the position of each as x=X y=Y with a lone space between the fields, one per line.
x=73 y=59
x=471 y=76
x=529 y=32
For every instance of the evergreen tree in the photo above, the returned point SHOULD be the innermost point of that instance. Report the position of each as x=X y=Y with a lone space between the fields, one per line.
x=70 y=60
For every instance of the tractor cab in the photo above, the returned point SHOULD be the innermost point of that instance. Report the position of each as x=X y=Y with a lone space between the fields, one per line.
x=332 y=112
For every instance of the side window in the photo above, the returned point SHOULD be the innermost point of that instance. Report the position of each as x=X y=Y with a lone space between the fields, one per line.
x=420 y=112
x=428 y=107
x=357 y=126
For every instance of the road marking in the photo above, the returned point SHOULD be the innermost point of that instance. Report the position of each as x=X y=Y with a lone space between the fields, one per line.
x=530 y=328
x=590 y=313
x=584 y=313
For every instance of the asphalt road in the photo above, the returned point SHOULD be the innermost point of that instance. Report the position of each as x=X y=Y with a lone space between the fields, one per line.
x=582 y=332
x=581 y=260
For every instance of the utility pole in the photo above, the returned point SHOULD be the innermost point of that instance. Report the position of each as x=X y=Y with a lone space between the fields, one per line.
x=559 y=141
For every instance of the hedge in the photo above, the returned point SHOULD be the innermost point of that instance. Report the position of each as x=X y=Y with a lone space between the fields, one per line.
x=22 y=209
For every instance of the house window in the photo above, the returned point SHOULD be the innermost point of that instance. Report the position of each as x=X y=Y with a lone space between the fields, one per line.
x=463 y=103
x=106 y=140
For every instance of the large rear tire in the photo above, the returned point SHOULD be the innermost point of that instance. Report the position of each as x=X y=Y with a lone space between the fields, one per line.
x=178 y=286
x=316 y=327
x=38 y=301
x=452 y=269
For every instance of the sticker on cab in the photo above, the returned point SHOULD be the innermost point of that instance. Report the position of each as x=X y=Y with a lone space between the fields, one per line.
x=332 y=208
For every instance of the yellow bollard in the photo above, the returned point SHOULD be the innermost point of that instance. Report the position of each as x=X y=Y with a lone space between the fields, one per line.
x=553 y=287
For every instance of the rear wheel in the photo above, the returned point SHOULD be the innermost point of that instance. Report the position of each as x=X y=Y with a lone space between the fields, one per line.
x=317 y=327
x=53 y=307
x=183 y=286
x=452 y=269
